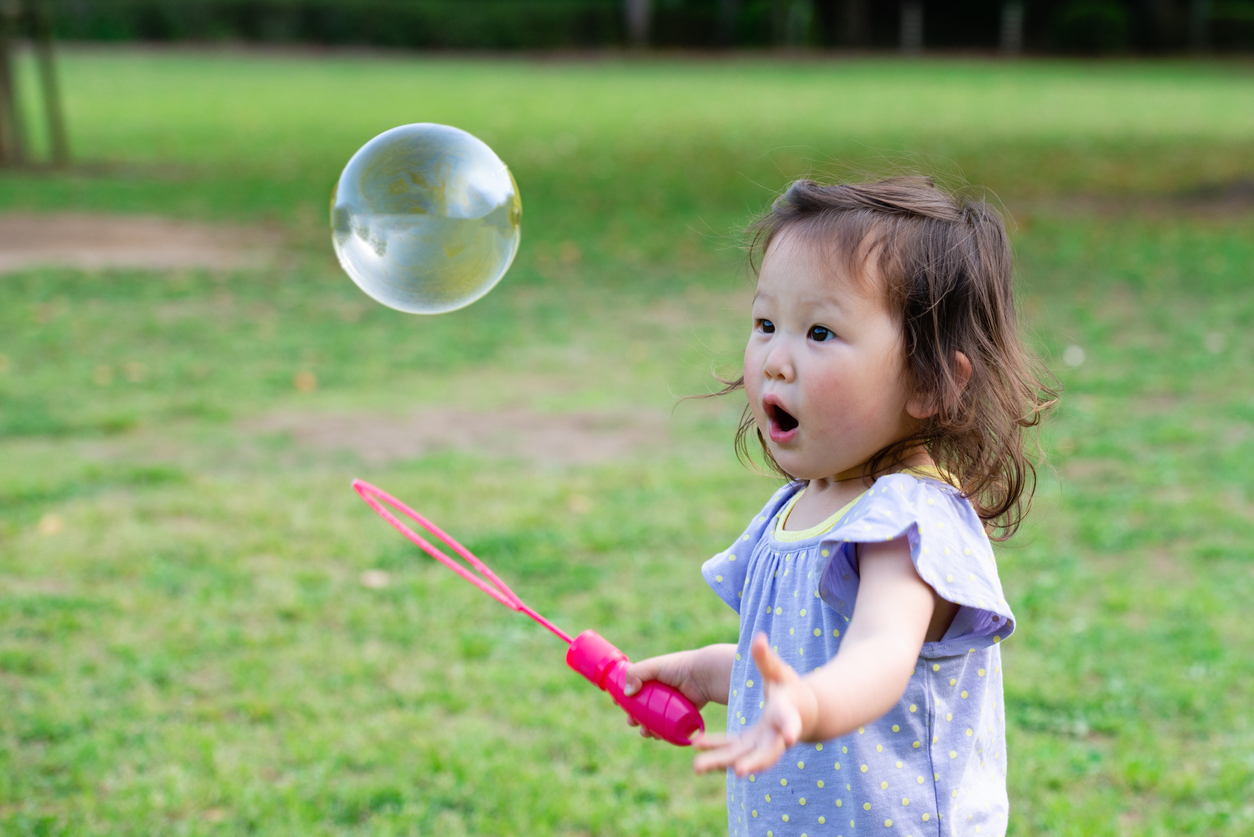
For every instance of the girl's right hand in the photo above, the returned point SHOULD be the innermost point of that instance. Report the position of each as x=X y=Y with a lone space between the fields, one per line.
x=701 y=675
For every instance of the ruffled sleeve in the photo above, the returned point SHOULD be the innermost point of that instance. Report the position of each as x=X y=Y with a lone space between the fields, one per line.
x=726 y=571
x=948 y=545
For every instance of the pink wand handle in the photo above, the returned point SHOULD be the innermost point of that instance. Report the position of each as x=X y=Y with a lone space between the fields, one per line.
x=659 y=708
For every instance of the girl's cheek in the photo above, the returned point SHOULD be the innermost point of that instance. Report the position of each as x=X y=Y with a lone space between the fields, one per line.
x=753 y=392
x=752 y=371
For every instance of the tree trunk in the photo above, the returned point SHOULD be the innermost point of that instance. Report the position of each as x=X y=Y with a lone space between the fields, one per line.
x=1012 y=27
x=856 y=23
x=637 y=13
x=12 y=145
x=1199 y=25
x=912 y=27
x=57 y=137
x=794 y=20
x=1167 y=24
x=728 y=11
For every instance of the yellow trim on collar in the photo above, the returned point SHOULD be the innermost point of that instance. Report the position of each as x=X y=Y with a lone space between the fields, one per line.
x=930 y=472
x=803 y=534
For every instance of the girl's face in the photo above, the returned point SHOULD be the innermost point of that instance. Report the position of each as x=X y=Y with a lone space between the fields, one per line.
x=824 y=368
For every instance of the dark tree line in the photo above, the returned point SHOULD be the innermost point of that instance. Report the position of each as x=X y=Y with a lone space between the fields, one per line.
x=1063 y=26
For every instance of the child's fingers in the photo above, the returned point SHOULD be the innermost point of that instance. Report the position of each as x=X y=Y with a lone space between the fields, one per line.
x=711 y=740
x=638 y=673
x=763 y=744
x=728 y=750
x=672 y=669
x=790 y=727
x=755 y=751
x=644 y=731
x=768 y=662
x=720 y=757
x=768 y=751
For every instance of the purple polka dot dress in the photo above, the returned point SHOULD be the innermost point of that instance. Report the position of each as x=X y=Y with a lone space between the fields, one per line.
x=935 y=764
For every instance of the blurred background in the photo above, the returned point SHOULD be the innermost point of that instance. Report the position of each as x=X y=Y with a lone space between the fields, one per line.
x=1150 y=26
x=204 y=631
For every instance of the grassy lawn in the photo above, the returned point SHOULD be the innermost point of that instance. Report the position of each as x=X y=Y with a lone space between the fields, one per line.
x=186 y=644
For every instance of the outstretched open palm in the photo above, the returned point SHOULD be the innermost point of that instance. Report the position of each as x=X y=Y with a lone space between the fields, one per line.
x=790 y=706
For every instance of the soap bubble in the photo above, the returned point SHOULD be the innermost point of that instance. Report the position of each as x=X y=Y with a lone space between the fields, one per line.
x=426 y=218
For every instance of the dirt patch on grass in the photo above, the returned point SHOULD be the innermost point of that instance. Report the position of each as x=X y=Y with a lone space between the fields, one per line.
x=98 y=242
x=1207 y=200
x=1094 y=470
x=574 y=438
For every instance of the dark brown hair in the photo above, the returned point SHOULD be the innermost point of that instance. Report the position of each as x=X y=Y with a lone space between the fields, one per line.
x=944 y=261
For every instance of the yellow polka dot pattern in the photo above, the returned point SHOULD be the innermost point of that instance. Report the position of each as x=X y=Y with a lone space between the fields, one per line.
x=944 y=686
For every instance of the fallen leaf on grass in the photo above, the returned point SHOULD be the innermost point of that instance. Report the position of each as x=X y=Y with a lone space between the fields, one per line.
x=305 y=381
x=51 y=524
x=374 y=579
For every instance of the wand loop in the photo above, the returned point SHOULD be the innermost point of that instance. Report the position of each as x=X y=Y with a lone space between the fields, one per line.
x=487 y=581
x=659 y=708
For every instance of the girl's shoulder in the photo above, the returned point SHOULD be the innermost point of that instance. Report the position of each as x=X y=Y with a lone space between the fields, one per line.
x=726 y=571
x=924 y=498
x=948 y=546
x=765 y=521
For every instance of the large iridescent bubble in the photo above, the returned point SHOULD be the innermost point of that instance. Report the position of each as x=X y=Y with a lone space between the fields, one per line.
x=426 y=218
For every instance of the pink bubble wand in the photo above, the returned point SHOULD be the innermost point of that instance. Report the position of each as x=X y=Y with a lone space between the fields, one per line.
x=657 y=707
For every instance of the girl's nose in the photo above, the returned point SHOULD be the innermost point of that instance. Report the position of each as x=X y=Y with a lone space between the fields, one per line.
x=778 y=365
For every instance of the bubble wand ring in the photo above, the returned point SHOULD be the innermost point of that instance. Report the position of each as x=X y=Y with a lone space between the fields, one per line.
x=493 y=586
x=659 y=708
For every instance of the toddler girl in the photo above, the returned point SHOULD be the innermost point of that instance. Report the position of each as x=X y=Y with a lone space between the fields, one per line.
x=887 y=380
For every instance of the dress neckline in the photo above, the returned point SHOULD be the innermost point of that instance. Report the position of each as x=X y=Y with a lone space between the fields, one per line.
x=791 y=536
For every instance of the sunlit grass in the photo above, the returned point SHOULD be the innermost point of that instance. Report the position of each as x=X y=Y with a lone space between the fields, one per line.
x=186 y=644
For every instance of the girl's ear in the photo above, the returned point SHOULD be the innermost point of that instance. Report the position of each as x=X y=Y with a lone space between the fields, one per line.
x=924 y=406
x=962 y=370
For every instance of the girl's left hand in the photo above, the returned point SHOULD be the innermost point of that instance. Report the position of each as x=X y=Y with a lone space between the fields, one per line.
x=790 y=709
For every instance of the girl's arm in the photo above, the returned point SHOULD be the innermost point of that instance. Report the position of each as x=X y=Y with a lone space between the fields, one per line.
x=863 y=681
x=703 y=675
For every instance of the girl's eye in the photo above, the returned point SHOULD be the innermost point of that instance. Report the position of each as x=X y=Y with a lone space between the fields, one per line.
x=766 y=326
x=820 y=334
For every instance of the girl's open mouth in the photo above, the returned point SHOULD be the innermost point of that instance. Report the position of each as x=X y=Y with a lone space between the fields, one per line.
x=783 y=424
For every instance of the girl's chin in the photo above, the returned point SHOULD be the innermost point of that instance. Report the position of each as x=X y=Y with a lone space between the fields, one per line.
x=791 y=461
x=802 y=468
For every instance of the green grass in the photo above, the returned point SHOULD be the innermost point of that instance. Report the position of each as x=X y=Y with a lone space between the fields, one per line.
x=185 y=646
